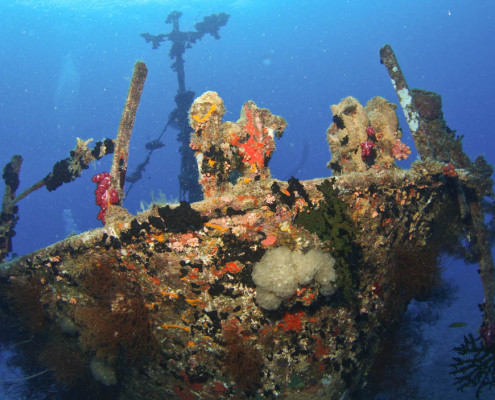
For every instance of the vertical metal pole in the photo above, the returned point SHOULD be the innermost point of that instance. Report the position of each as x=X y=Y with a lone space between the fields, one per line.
x=416 y=125
x=121 y=155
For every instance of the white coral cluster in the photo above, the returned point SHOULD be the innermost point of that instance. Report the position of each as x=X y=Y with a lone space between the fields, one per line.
x=280 y=272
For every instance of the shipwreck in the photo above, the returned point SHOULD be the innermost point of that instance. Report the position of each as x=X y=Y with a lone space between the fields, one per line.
x=263 y=289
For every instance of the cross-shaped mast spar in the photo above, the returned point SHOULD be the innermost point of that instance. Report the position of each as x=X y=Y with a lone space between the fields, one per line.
x=188 y=178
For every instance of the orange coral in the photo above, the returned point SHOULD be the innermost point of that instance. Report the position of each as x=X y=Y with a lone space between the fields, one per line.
x=292 y=322
x=200 y=120
x=449 y=171
x=258 y=145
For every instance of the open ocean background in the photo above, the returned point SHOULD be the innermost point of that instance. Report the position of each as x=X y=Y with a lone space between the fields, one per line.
x=65 y=69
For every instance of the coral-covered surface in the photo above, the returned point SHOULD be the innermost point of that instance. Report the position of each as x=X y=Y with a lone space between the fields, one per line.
x=363 y=137
x=163 y=304
x=229 y=151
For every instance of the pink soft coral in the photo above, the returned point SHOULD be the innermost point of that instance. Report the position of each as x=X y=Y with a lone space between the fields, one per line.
x=400 y=151
x=105 y=194
x=366 y=147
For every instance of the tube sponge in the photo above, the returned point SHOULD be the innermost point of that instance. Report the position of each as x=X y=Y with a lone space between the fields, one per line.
x=280 y=272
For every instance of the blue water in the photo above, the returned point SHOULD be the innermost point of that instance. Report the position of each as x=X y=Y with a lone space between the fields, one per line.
x=66 y=65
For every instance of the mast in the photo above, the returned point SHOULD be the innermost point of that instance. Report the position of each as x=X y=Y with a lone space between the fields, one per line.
x=190 y=190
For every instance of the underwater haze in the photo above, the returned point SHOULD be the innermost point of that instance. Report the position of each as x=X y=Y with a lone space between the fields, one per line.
x=66 y=68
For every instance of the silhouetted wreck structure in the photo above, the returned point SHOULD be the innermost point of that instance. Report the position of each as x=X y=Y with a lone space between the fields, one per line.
x=188 y=177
